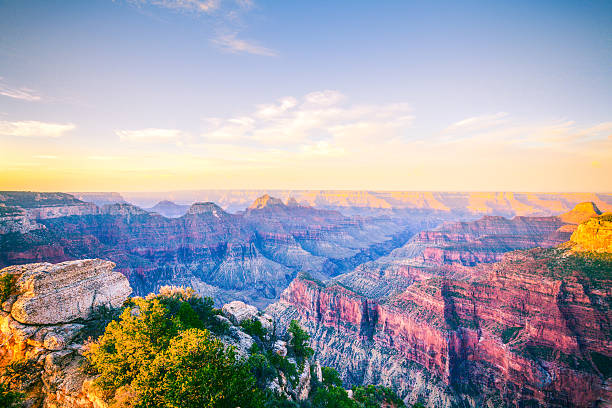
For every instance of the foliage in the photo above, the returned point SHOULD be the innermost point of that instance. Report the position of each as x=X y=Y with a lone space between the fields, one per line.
x=299 y=341
x=331 y=377
x=373 y=396
x=510 y=334
x=196 y=371
x=99 y=319
x=603 y=363
x=160 y=352
x=330 y=394
x=7 y=286
x=8 y=397
x=605 y=217
x=332 y=397
x=253 y=327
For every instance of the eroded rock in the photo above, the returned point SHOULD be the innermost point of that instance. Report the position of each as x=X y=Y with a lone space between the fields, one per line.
x=238 y=311
x=67 y=291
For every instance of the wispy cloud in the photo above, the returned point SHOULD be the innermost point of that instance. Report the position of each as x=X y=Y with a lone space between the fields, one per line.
x=23 y=93
x=199 y=6
x=149 y=135
x=479 y=122
x=231 y=43
x=318 y=122
x=33 y=128
x=226 y=16
x=45 y=157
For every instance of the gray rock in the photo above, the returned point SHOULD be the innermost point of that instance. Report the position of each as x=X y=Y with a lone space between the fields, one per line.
x=64 y=292
x=238 y=311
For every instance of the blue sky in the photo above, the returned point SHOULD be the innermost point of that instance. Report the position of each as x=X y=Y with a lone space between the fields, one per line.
x=380 y=95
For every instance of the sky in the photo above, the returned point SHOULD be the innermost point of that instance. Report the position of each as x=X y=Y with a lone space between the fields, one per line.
x=157 y=95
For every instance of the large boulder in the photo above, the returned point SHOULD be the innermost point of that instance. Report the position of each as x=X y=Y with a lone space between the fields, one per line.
x=61 y=293
x=238 y=311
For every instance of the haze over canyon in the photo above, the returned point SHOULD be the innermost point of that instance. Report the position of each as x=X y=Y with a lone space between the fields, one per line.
x=449 y=299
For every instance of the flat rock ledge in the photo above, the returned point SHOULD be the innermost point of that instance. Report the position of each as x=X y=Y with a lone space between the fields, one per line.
x=48 y=294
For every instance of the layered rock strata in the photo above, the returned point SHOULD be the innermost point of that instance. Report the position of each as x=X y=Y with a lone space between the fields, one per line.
x=531 y=330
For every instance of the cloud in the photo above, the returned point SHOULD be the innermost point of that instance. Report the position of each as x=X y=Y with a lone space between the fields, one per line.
x=24 y=94
x=479 y=122
x=148 y=135
x=32 y=128
x=272 y=110
x=225 y=15
x=231 y=43
x=319 y=121
x=324 y=98
x=198 y=6
x=45 y=157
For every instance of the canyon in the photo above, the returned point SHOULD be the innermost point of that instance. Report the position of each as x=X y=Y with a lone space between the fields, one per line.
x=349 y=202
x=532 y=329
x=252 y=255
x=447 y=307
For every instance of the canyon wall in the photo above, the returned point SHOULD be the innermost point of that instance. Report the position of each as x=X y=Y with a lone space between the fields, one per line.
x=530 y=330
x=250 y=256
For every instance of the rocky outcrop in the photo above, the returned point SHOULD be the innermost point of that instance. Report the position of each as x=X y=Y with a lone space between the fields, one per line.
x=594 y=235
x=44 y=322
x=15 y=219
x=530 y=330
x=52 y=294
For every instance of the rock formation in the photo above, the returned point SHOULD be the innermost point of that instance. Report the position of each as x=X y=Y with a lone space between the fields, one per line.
x=46 y=317
x=594 y=234
x=43 y=332
x=251 y=256
x=531 y=330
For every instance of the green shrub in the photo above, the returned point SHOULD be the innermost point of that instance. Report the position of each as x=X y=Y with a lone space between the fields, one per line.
x=10 y=398
x=510 y=333
x=158 y=353
x=196 y=371
x=253 y=327
x=7 y=286
x=373 y=396
x=331 y=377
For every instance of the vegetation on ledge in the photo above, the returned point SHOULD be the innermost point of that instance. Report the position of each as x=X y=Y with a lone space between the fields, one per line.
x=168 y=350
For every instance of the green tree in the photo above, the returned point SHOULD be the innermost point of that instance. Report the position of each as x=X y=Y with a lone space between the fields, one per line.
x=158 y=355
x=196 y=371
x=299 y=341
x=331 y=377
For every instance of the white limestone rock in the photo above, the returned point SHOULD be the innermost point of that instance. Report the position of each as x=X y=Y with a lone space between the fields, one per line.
x=61 y=293
x=238 y=311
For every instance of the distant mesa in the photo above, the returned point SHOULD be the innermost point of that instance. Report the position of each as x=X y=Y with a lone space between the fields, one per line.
x=580 y=213
x=169 y=209
x=266 y=201
x=100 y=198
x=207 y=208
x=122 y=209
x=292 y=202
